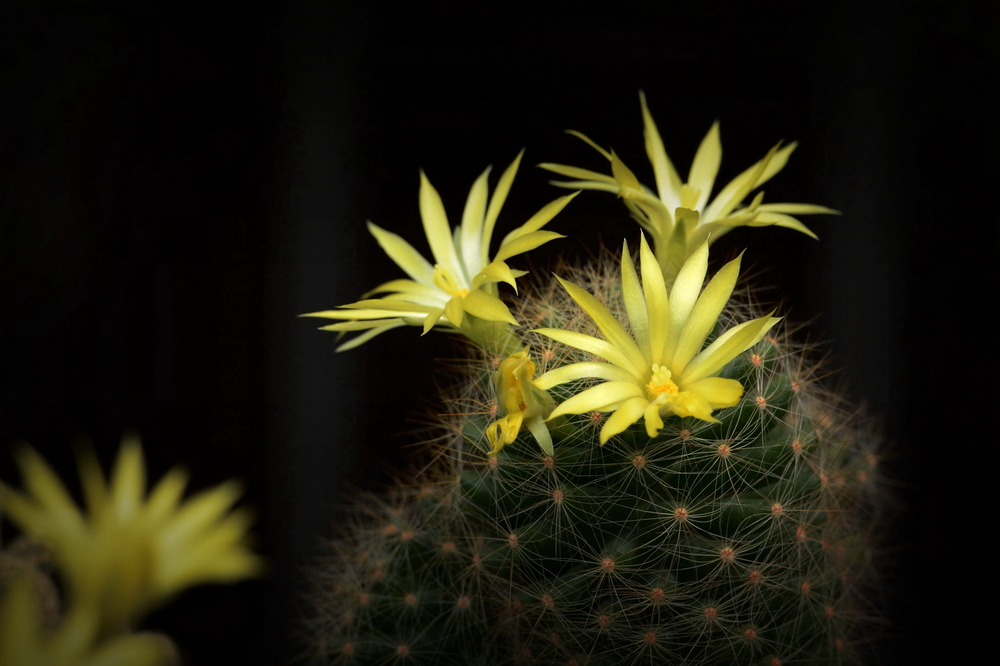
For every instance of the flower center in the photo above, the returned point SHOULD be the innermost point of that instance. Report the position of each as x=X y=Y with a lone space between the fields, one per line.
x=660 y=382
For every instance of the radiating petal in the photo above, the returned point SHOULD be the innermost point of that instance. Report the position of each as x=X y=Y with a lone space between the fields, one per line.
x=477 y=302
x=541 y=218
x=657 y=305
x=524 y=243
x=436 y=228
x=781 y=220
x=706 y=165
x=668 y=183
x=431 y=320
x=689 y=403
x=496 y=203
x=583 y=370
x=540 y=431
x=583 y=137
x=797 y=209
x=654 y=422
x=387 y=305
x=683 y=296
x=497 y=271
x=362 y=338
x=635 y=304
x=738 y=188
x=705 y=314
x=725 y=348
x=610 y=328
x=582 y=174
x=454 y=311
x=718 y=391
x=423 y=293
x=602 y=398
x=471 y=229
x=403 y=254
x=626 y=414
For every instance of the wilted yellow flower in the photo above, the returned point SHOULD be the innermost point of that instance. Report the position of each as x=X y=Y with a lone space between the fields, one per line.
x=679 y=216
x=463 y=279
x=663 y=369
x=24 y=641
x=129 y=553
x=521 y=402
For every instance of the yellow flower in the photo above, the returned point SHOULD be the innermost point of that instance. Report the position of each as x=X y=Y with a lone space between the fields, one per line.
x=463 y=278
x=129 y=553
x=681 y=217
x=24 y=641
x=522 y=402
x=662 y=369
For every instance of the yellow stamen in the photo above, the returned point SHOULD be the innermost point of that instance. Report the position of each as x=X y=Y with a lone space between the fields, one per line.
x=660 y=382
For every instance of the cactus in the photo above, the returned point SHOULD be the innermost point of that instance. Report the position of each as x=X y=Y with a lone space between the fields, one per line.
x=727 y=522
x=743 y=541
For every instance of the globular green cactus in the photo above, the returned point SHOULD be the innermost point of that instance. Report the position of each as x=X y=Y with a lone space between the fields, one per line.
x=644 y=470
x=744 y=541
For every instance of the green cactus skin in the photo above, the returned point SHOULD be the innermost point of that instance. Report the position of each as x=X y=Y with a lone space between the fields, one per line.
x=743 y=542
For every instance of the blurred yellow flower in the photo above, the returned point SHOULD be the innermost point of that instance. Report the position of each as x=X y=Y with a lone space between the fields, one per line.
x=521 y=402
x=463 y=279
x=660 y=368
x=128 y=553
x=680 y=216
x=75 y=642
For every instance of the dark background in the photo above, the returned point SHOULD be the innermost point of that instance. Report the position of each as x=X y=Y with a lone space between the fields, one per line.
x=179 y=184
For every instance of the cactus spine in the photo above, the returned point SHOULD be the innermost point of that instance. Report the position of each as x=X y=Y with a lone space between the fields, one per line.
x=740 y=542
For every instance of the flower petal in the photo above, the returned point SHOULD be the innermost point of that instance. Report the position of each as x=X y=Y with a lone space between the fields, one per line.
x=668 y=183
x=362 y=338
x=706 y=313
x=437 y=230
x=583 y=370
x=403 y=254
x=524 y=243
x=706 y=165
x=496 y=203
x=726 y=347
x=610 y=328
x=477 y=302
x=626 y=414
x=635 y=304
x=471 y=229
x=657 y=305
x=602 y=398
x=454 y=311
x=541 y=218
x=718 y=391
x=683 y=296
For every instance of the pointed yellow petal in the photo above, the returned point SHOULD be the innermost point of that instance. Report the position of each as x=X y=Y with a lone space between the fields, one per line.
x=706 y=165
x=798 y=209
x=635 y=304
x=593 y=345
x=540 y=431
x=738 y=188
x=627 y=414
x=496 y=203
x=657 y=308
x=420 y=293
x=683 y=297
x=602 y=398
x=612 y=331
x=471 y=229
x=668 y=183
x=477 y=302
x=725 y=348
x=454 y=311
x=654 y=422
x=626 y=180
x=581 y=174
x=584 y=370
x=433 y=317
x=362 y=338
x=541 y=218
x=524 y=243
x=689 y=403
x=497 y=271
x=403 y=254
x=437 y=230
x=586 y=139
x=781 y=220
x=718 y=391
x=706 y=313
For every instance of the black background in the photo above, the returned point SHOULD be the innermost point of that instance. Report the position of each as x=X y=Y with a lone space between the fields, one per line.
x=180 y=183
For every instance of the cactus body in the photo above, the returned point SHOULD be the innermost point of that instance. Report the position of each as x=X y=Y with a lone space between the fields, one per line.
x=741 y=542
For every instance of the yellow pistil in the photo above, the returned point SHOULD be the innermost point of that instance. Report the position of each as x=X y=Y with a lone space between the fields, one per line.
x=660 y=382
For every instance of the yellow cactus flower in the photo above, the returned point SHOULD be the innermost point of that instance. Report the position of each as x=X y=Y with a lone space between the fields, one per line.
x=521 y=402
x=24 y=641
x=661 y=368
x=679 y=216
x=462 y=281
x=129 y=553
